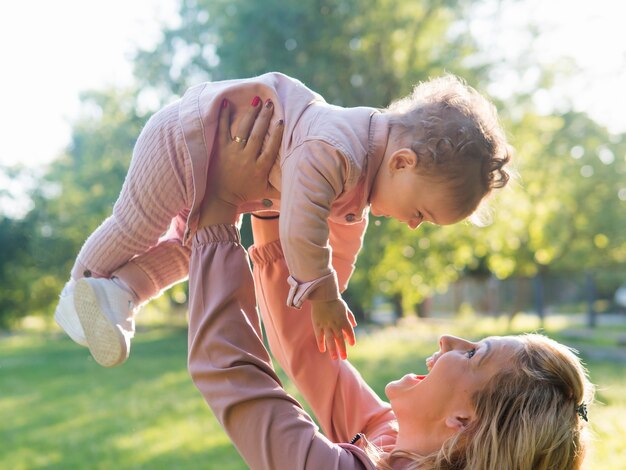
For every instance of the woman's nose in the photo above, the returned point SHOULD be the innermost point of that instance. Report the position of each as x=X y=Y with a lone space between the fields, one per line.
x=449 y=342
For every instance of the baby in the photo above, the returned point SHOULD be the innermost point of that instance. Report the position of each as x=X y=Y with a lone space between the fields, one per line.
x=432 y=156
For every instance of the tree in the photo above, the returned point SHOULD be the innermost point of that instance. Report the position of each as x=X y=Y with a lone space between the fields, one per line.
x=565 y=211
x=71 y=199
x=13 y=237
x=354 y=52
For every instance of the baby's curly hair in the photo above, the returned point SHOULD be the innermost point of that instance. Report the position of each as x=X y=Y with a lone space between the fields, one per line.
x=457 y=137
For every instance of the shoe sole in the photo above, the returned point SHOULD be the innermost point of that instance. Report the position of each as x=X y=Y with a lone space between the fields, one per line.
x=70 y=328
x=105 y=342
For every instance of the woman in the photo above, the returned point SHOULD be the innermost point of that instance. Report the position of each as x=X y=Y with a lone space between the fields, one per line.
x=501 y=403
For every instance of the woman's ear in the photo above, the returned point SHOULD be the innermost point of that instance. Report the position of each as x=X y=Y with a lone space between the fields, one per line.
x=458 y=422
x=402 y=159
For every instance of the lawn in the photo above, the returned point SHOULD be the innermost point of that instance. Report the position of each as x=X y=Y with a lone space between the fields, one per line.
x=60 y=410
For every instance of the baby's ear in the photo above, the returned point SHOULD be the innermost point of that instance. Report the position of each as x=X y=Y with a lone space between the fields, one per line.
x=403 y=158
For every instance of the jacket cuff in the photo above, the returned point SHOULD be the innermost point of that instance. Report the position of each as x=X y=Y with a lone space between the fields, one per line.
x=322 y=288
x=217 y=234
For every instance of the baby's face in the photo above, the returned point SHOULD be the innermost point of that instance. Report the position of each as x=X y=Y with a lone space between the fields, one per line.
x=412 y=198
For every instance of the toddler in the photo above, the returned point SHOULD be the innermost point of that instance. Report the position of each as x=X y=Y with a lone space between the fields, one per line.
x=431 y=156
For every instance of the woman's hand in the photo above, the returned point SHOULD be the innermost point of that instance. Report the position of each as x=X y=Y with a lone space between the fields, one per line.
x=239 y=170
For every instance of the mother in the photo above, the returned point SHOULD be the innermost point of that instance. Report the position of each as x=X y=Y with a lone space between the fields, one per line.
x=501 y=403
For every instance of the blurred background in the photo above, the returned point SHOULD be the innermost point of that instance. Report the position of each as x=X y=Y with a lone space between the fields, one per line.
x=79 y=81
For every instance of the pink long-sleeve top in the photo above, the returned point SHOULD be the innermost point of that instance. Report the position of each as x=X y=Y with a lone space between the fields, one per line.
x=329 y=157
x=232 y=369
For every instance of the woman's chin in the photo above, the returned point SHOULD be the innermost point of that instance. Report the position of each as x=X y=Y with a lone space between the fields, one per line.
x=405 y=383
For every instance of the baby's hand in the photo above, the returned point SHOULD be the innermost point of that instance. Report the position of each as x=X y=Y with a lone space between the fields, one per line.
x=332 y=324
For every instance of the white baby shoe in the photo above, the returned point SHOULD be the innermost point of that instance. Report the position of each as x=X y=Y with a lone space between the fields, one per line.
x=107 y=315
x=66 y=317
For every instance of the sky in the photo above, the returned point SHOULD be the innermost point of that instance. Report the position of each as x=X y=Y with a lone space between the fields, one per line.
x=589 y=32
x=50 y=51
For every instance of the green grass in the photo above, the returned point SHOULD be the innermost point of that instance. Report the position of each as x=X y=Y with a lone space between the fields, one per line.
x=60 y=410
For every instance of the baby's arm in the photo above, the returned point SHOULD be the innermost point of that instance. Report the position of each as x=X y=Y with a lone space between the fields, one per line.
x=339 y=397
x=313 y=178
x=333 y=323
x=345 y=241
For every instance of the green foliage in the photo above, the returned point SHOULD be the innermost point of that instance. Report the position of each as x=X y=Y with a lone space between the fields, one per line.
x=13 y=255
x=73 y=197
x=413 y=264
x=565 y=213
x=353 y=52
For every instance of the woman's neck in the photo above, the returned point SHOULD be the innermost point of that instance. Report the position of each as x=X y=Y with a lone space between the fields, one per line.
x=423 y=440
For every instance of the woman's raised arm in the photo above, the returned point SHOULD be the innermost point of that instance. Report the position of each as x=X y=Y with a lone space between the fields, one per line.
x=227 y=359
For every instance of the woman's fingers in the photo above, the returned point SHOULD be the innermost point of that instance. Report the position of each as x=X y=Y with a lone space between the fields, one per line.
x=260 y=127
x=247 y=122
x=271 y=148
x=257 y=137
x=224 y=124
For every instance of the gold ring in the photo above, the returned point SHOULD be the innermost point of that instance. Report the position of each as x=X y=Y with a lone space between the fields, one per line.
x=239 y=140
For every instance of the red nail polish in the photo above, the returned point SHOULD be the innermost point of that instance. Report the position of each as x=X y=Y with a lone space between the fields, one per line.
x=224 y=103
x=256 y=101
x=269 y=104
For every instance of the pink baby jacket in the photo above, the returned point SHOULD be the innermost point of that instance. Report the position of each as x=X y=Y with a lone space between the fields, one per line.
x=328 y=159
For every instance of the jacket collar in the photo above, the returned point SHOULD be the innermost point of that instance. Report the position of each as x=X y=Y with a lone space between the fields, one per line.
x=377 y=145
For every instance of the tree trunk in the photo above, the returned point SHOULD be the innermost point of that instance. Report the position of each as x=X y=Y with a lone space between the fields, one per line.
x=590 y=289
x=396 y=301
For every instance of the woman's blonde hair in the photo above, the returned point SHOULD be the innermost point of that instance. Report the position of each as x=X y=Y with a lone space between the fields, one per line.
x=527 y=416
x=455 y=132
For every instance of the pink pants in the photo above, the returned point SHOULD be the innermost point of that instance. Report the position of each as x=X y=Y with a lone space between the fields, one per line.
x=141 y=242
